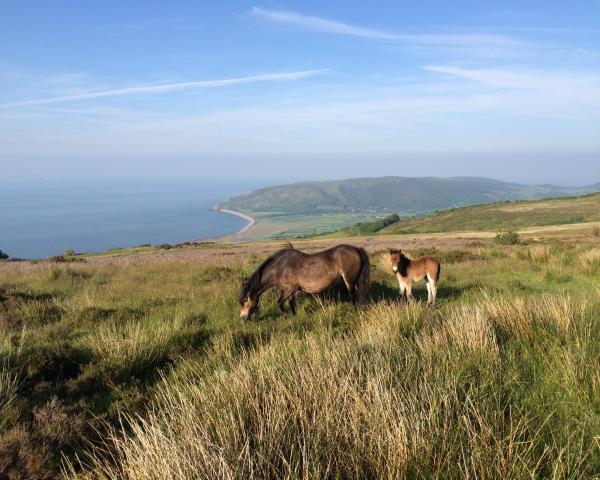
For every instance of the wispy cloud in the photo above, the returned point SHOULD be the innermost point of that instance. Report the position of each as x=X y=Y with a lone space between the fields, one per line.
x=571 y=83
x=168 y=87
x=334 y=27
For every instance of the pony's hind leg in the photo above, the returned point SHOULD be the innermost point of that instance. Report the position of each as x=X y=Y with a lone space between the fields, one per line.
x=351 y=289
x=429 y=293
x=431 y=289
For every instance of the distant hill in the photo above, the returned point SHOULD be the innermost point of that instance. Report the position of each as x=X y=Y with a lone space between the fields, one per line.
x=504 y=216
x=406 y=196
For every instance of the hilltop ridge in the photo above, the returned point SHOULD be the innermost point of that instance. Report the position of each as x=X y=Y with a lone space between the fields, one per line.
x=403 y=195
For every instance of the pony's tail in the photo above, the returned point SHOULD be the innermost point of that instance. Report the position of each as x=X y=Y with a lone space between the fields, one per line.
x=363 y=283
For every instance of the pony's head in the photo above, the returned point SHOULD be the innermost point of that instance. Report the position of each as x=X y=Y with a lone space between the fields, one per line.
x=395 y=256
x=248 y=300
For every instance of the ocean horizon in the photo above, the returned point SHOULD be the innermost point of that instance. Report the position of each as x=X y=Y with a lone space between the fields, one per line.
x=44 y=219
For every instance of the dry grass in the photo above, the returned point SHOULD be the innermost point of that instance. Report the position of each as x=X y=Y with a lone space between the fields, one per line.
x=501 y=381
x=590 y=260
x=406 y=394
x=539 y=253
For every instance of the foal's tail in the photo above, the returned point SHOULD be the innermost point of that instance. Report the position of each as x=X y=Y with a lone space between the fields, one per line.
x=363 y=282
x=437 y=275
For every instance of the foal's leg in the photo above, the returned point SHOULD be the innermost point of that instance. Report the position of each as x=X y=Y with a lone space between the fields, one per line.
x=409 y=294
x=401 y=286
x=433 y=292
x=429 y=294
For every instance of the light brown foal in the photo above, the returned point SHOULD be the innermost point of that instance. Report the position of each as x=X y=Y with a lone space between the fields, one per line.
x=408 y=270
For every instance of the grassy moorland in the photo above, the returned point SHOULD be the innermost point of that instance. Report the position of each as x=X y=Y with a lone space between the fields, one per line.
x=523 y=214
x=134 y=365
x=505 y=215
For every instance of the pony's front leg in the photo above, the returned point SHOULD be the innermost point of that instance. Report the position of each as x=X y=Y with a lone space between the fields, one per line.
x=285 y=296
x=293 y=303
x=409 y=294
x=402 y=287
x=281 y=301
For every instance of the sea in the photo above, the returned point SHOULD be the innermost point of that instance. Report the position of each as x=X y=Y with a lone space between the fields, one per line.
x=44 y=219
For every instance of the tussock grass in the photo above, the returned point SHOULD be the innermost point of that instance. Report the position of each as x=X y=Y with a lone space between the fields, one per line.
x=132 y=346
x=500 y=381
x=539 y=253
x=406 y=393
x=9 y=385
x=590 y=260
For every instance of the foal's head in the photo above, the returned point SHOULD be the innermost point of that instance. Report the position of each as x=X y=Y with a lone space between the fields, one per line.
x=248 y=300
x=395 y=258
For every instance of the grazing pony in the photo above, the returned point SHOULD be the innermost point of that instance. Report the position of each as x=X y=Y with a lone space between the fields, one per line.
x=408 y=270
x=290 y=270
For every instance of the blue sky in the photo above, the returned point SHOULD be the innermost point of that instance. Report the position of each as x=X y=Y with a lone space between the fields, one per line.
x=300 y=90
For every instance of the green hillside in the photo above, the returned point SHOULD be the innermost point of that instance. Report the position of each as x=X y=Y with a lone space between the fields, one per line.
x=505 y=215
x=391 y=194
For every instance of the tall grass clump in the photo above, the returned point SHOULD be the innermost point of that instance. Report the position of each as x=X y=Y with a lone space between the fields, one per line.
x=590 y=260
x=498 y=389
x=539 y=253
x=132 y=346
x=9 y=384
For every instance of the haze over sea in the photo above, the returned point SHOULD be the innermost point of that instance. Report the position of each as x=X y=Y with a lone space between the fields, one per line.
x=45 y=219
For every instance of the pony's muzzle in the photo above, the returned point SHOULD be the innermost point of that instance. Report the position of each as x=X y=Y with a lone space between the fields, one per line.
x=244 y=316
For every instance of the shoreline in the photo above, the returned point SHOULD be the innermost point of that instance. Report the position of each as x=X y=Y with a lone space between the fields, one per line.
x=251 y=221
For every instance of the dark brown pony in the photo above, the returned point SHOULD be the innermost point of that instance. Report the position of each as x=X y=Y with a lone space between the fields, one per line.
x=291 y=270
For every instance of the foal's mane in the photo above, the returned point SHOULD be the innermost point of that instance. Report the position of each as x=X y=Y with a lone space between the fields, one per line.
x=253 y=284
x=400 y=252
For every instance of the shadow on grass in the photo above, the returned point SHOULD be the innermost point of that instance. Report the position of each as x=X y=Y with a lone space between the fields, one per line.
x=382 y=292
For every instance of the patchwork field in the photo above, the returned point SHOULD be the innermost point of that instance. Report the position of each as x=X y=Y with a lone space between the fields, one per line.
x=134 y=365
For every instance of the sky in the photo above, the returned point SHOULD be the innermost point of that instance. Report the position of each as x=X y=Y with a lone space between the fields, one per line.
x=284 y=91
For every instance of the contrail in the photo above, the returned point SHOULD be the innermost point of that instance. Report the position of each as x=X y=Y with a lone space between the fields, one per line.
x=168 y=87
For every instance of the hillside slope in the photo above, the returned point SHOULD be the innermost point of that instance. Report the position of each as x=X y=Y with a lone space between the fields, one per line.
x=391 y=194
x=505 y=215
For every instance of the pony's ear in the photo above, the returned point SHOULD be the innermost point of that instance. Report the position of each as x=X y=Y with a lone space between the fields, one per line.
x=243 y=281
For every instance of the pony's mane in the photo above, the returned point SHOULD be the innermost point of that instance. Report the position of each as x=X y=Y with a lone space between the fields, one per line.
x=399 y=252
x=252 y=285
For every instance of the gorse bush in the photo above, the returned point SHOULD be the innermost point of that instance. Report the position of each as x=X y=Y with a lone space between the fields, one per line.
x=3 y=256
x=507 y=238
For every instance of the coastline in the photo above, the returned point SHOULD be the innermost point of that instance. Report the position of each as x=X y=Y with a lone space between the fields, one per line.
x=251 y=221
